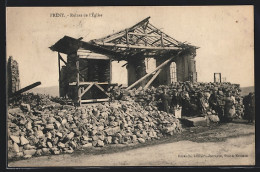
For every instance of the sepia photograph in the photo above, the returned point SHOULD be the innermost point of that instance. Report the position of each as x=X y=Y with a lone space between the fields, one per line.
x=105 y=86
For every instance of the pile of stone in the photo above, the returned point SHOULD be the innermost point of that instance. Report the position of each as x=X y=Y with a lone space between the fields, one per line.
x=37 y=101
x=150 y=96
x=56 y=129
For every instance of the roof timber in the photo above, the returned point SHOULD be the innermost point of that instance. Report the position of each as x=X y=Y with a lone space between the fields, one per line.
x=138 y=47
x=142 y=39
x=122 y=32
x=142 y=35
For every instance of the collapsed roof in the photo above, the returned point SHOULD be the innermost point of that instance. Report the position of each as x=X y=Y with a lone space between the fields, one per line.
x=142 y=39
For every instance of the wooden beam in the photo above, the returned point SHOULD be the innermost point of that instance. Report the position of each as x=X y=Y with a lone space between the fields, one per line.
x=94 y=57
x=145 y=26
x=90 y=85
x=78 y=88
x=95 y=100
x=82 y=53
x=156 y=41
x=152 y=79
x=147 y=75
x=59 y=74
x=145 y=43
x=87 y=83
x=120 y=33
x=110 y=71
x=162 y=44
x=144 y=35
x=139 y=47
x=127 y=37
x=62 y=59
x=166 y=37
x=100 y=88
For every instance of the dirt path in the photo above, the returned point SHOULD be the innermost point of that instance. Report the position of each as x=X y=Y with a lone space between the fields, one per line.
x=229 y=144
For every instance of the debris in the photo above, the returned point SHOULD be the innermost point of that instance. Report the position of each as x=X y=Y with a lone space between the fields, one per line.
x=23 y=140
x=16 y=139
x=54 y=128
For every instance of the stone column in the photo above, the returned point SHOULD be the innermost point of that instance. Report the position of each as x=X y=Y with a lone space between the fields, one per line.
x=13 y=78
x=135 y=69
x=186 y=68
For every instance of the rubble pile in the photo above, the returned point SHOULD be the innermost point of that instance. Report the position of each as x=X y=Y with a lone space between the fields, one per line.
x=37 y=101
x=63 y=128
x=39 y=126
x=151 y=96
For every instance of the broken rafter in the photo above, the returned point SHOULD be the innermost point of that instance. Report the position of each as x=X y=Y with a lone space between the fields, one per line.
x=159 y=32
x=121 y=33
x=152 y=79
x=144 y=35
x=147 y=75
x=138 y=47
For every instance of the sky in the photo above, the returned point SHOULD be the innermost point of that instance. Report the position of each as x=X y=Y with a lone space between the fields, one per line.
x=225 y=35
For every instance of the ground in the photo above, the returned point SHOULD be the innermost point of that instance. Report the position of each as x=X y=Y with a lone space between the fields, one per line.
x=222 y=144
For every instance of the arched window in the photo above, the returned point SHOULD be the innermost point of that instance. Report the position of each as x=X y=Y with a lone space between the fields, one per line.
x=173 y=72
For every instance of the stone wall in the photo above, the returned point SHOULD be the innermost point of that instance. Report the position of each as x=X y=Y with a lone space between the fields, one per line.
x=13 y=83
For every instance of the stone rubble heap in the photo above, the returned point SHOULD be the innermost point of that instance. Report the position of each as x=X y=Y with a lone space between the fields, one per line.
x=56 y=129
x=37 y=101
x=39 y=126
x=151 y=95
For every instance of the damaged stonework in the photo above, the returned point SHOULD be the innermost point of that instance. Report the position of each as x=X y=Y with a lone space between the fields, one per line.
x=13 y=79
x=86 y=76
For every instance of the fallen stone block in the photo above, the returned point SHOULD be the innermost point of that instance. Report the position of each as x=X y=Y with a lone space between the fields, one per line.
x=39 y=134
x=49 y=144
x=214 y=118
x=198 y=121
x=100 y=143
x=57 y=152
x=46 y=150
x=70 y=135
x=27 y=156
x=59 y=134
x=28 y=147
x=61 y=145
x=108 y=140
x=69 y=151
x=23 y=140
x=16 y=148
x=141 y=140
x=49 y=127
x=29 y=152
x=16 y=139
x=28 y=125
x=48 y=135
x=102 y=137
x=134 y=138
x=112 y=131
x=95 y=138
x=94 y=143
x=19 y=154
x=14 y=111
x=73 y=144
x=87 y=145
x=39 y=152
